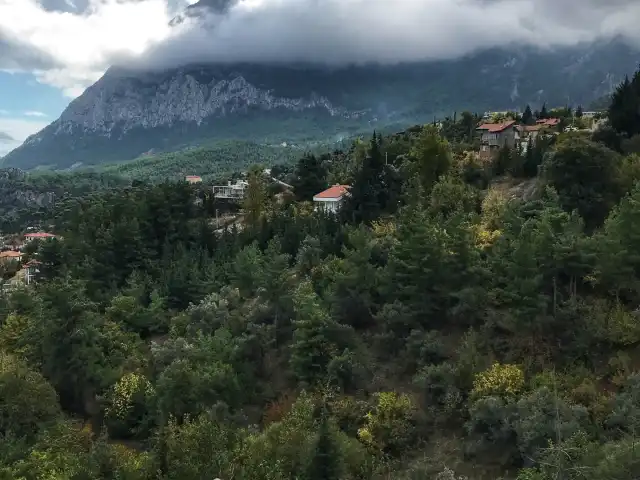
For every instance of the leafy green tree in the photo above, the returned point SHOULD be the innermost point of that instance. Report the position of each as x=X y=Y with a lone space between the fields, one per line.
x=197 y=374
x=28 y=404
x=130 y=407
x=201 y=448
x=586 y=176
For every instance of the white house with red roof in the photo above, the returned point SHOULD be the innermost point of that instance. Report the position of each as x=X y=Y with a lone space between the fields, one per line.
x=331 y=199
x=38 y=236
x=10 y=255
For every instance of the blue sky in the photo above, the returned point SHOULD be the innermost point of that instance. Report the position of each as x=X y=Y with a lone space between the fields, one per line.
x=51 y=50
x=26 y=106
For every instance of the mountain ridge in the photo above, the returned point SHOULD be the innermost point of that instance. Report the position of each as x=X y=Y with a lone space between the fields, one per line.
x=128 y=112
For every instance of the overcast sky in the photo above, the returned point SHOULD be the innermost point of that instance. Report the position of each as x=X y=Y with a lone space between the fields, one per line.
x=65 y=45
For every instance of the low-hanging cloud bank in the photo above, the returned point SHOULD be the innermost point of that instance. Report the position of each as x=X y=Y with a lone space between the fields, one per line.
x=386 y=31
x=70 y=43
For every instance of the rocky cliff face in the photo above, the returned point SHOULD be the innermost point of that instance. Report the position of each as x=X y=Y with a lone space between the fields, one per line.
x=126 y=113
x=124 y=102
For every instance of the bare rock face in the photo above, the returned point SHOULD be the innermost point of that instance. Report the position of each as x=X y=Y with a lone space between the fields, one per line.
x=121 y=102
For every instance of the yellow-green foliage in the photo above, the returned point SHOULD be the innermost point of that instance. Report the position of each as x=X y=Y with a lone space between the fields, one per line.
x=494 y=205
x=12 y=331
x=384 y=228
x=502 y=380
x=125 y=392
x=389 y=425
x=613 y=323
x=485 y=238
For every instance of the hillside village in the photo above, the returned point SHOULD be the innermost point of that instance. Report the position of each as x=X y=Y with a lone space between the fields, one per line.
x=496 y=134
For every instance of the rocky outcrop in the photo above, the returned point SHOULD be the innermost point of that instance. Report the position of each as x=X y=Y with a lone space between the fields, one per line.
x=122 y=103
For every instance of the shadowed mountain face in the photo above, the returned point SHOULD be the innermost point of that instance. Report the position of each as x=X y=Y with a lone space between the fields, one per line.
x=126 y=114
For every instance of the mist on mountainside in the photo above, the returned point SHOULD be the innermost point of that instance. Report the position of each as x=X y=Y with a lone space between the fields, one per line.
x=381 y=31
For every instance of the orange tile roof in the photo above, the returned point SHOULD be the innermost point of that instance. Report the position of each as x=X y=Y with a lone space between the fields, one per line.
x=336 y=191
x=551 y=122
x=496 y=127
x=39 y=235
x=10 y=254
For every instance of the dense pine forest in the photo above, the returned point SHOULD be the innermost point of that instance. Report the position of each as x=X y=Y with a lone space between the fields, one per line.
x=456 y=319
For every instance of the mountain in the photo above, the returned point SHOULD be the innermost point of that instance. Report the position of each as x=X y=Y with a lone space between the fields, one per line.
x=128 y=113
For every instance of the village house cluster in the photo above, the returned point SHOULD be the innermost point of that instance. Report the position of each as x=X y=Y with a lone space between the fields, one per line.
x=494 y=136
x=16 y=268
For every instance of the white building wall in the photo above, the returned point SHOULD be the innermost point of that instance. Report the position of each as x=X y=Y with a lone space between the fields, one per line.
x=328 y=204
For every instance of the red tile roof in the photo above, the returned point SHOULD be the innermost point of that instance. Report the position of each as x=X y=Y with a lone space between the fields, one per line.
x=496 y=127
x=551 y=122
x=336 y=191
x=39 y=235
x=10 y=254
x=32 y=263
x=194 y=177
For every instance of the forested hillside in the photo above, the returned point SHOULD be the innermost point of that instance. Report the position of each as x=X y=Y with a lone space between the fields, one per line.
x=212 y=161
x=457 y=319
x=32 y=197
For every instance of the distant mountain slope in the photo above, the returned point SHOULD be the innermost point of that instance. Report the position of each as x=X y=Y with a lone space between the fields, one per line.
x=126 y=113
x=212 y=161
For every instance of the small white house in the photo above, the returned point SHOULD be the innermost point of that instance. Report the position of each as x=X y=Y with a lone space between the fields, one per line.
x=231 y=191
x=331 y=199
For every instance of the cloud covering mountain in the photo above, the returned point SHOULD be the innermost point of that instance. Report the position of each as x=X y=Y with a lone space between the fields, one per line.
x=70 y=43
x=345 y=31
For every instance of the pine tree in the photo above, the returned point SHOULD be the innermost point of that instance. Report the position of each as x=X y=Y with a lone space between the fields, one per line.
x=527 y=116
x=624 y=111
x=255 y=199
x=544 y=114
x=310 y=178
x=368 y=196
x=317 y=339
x=325 y=463
x=431 y=156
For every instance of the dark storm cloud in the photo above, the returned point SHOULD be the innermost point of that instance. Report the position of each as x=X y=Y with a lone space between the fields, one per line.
x=346 y=31
x=15 y=55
